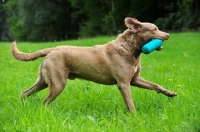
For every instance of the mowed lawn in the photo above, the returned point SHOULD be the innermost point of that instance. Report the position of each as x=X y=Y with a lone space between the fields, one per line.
x=89 y=107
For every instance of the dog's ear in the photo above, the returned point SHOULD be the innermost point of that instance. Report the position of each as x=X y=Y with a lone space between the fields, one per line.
x=133 y=24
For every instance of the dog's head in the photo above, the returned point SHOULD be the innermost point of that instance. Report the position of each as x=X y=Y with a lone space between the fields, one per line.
x=143 y=31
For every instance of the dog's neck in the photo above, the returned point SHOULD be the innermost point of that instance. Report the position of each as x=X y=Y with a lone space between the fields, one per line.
x=131 y=43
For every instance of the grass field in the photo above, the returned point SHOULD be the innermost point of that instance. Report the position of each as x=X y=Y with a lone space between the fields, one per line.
x=89 y=107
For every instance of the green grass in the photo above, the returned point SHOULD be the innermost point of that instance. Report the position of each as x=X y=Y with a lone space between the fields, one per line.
x=86 y=106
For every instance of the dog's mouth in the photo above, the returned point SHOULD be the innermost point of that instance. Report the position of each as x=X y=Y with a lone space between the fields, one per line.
x=153 y=44
x=159 y=49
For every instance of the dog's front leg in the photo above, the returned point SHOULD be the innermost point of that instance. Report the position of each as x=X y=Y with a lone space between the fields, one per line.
x=142 y=83
x=126 y=94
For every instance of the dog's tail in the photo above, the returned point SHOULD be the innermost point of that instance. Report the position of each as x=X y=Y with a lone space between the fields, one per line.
x=28 y=56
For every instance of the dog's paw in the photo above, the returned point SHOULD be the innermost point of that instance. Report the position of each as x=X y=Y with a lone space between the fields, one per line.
x=170 y=93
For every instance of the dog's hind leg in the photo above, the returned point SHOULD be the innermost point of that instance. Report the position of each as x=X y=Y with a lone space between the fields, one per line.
x=142 y=83
x=57 y=77
x=39 y=85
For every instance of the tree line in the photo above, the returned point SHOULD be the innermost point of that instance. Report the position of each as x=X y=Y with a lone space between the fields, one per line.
x=55 y=20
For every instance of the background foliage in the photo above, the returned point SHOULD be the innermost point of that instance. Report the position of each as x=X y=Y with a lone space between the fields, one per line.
x=42 y=20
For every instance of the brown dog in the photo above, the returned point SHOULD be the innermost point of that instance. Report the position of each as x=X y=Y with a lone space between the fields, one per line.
x=117 y=62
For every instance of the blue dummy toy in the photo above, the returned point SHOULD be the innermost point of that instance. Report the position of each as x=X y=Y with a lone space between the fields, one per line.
x=151 y=46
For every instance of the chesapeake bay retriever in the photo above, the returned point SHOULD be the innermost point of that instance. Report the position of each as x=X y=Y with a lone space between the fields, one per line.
x=117 y=62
